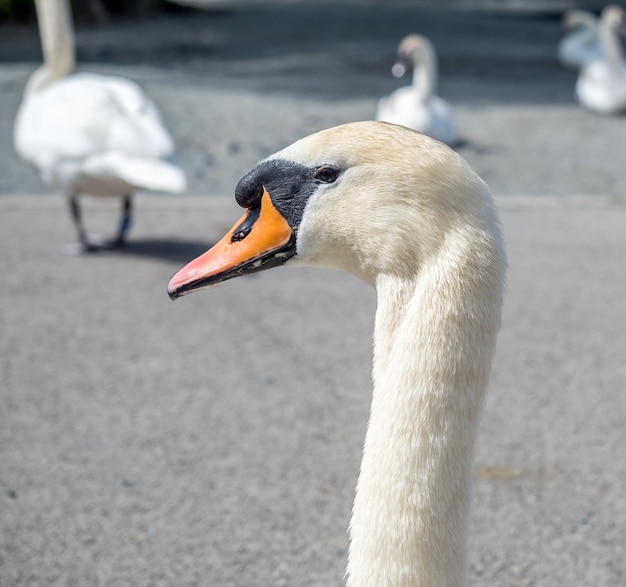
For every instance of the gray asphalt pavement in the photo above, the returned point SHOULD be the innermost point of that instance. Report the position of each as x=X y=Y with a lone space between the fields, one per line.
x=217 y=440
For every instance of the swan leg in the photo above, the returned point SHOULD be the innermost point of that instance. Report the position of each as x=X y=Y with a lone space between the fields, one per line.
x=89 y=245
x=125 y=221
x=84 y=244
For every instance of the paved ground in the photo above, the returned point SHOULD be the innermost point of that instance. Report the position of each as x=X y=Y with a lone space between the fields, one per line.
x=216 y=441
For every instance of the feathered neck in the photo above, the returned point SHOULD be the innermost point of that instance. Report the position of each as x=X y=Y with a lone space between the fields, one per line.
x=611 y=46
x=57 y=41
x=435 y=335
x=424 y=71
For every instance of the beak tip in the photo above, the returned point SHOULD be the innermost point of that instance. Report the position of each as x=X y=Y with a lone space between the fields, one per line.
x=258 y=249
x=174 y=289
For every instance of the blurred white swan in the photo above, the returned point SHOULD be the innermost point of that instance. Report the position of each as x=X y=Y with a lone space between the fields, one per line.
x=580 y=43
x=88 y=133
x=417 y=106
x=601 y=84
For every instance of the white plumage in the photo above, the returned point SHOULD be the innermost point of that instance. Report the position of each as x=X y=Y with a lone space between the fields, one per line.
x=417 y=106
x=87 y=133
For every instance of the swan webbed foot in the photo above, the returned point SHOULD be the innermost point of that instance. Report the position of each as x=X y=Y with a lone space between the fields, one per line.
x=94 y=243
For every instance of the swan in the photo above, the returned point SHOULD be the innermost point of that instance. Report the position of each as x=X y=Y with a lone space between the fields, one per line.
x=601 y=84
x=87 y=133
x=407 y=215
x=580 y=43
x=417 y=106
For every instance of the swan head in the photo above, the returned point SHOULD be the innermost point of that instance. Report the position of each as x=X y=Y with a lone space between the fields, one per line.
x=614 y=17
x=369 y=198
x=412 y=49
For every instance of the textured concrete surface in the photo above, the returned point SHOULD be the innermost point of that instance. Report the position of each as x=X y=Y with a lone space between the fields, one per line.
x=216 y=441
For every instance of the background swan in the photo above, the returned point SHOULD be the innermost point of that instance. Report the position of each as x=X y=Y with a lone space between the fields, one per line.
x=87 y=133
x=601 y=84
x=407 y=215
x=417 y=106
x=580 y=43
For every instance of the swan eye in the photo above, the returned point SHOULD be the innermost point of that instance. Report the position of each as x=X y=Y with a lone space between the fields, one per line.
x=326 y=174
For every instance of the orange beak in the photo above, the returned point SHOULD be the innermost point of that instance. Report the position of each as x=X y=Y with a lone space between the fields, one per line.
x=261 y=239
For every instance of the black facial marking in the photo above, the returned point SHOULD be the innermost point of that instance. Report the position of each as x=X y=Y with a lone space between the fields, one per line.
x=249 y=191
x=289 y=185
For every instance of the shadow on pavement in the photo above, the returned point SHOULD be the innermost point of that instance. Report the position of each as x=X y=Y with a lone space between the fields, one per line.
x=171 y=250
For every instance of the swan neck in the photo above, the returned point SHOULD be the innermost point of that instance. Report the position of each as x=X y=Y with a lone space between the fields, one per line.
x=57 y=42
x=612 y=47
x=424 y=72
x=433 y=344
